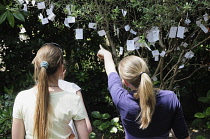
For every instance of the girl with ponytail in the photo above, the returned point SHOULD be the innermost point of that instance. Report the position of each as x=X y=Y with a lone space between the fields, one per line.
x=45 y=110
x=146 y=113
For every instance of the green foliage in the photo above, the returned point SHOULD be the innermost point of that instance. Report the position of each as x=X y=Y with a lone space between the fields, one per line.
x=6 y=105
x=105 y=125
x=204 y=117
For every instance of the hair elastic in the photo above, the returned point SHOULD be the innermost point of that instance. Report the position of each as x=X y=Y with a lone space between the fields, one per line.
x=44 y=64
x=141 y=73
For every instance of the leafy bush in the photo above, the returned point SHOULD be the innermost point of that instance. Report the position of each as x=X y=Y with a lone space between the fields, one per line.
x=106 y=126
x=6 y=105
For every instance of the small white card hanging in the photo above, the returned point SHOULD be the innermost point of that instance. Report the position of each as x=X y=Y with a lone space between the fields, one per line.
x=25 y=7
x=130 y=45
x=79 y=34
x=33 y=2
x=180 y=32
x=206 y=17
x=204 y=28
x=162 y=54
x=68 y=9
x=51 y=17
x=121 y=51
x=101 y=33
x=40 y=16
x=27 y=1
x=172 y=33
x=189 y=55
x=153 y=34
x=66 y=23
x=181 y=66
x=41 y=5
x=21 y=1
x=137 y=45
x=92 y=25
x=127 y=28
x=133 y=32
x=45 y=21
x=71 y=19
x=124 y=13
x=154 y=78
x=198 y=22
x=155 y=53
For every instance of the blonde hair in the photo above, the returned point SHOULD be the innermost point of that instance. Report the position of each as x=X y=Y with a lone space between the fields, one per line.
x=130 y=68
x=54 y=57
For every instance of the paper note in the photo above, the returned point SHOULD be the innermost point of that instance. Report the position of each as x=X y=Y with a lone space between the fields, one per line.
x=25 y=7
x=198 y=22
x=137 y=45
x=68 y=9
x=41 y=5
x=124 y=12
x=45 y=21
x=206 y=17
x=71 y=19
x=155 y=53
x=101 y=33
x=27 y=1
x=21 y=1
x=33 y=2
x=181 y=66
x=79 y=33
x=162 y=54
x=157 y=58
x=40 y=16
x=204 y=28
x=172 y=33
x=187 y=21
x=92 y=25
x=127 y=28
x=66 y=22
x=154 y=78
x=133 y=32
x=180 y=32
x=153 y=34
x=136 y=39
x=189 y=55
x=130 y=45
x=51 y=17
x=184 y=44
x=121 y=51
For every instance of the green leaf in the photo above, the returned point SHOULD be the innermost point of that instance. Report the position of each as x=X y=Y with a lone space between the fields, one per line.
x=208 y=125
x=96 y=114
x=3 y=17
x=10 y=19
x=104 y=125
x=204 y=99
x=208 y=111
x=199 y=115
x=2 y=7
x=105 y=116
x=92 y=135
x=200 y=137
x=19 y=16
x=114 y=120
x=113 y=130
x=97 y=122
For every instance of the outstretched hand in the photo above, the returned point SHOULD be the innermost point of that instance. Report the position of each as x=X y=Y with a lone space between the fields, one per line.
x=101 y=52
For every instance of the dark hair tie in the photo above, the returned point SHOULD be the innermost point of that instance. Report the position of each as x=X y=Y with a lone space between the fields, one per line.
x=141 y=73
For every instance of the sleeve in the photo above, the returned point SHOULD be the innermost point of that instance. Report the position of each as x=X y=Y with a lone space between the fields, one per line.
x=75 y=87
x=79 y=111
x=17 y=112
x=179 y=124
x=116 y=89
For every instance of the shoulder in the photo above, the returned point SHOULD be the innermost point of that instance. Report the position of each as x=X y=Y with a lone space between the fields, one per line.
x=25 y=93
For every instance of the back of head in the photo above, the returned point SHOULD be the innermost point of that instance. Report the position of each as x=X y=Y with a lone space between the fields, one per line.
x=47 y=61
x=134 y=70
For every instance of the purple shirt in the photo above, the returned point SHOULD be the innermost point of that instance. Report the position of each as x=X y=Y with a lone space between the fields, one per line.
x=168 y=113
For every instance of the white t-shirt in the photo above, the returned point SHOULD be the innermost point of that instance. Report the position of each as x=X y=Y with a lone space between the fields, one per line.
x=66 y=106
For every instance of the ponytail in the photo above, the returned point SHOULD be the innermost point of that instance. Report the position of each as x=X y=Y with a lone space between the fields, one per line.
x=42 y=106
x=146 y=95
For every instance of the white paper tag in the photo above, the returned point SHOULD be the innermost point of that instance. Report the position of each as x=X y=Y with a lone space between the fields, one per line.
x=178 y=48
x=154 y=78
x=133 y=32
x=189 y=55
x=124 y=13
x=204 y=28
x=206 y=17
x=79 y=34
x=162 y=54
x=92 y=25
x=155 y=53
x=51 y=17
x=181 y=66
x=121 y=51
x=21 y=1
x=40 y=16
x=27 y=1
x=172 y=33
x=25 y=7
x=66 y=23
x=157 y=58
x=137 y=45
x=184 y=44
x=41 y=5
x=101 y=33
x=130 y=45
x=136 y=39
x=180 y=32
x=33 y=2
x=127 y=28
x=187 y=21
x=71 y=19
x=23 y=30
x=198 y=22
x=153 y=35
x=45 y=21
x=68 y=9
